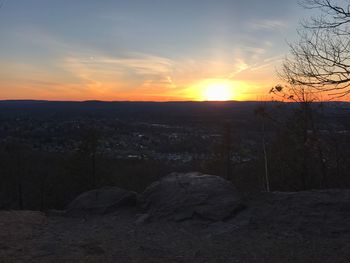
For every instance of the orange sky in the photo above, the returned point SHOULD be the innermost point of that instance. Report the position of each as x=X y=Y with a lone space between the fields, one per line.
x=161 y=80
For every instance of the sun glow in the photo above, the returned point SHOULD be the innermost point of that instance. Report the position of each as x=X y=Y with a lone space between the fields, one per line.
x=218 y=91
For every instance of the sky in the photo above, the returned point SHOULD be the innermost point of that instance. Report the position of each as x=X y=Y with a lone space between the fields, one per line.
x=159 y=50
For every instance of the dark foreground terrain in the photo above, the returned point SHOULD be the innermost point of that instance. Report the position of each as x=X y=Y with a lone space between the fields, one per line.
x=308 y=227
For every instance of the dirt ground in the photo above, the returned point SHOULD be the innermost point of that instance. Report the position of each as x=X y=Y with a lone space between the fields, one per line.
x=277 y=227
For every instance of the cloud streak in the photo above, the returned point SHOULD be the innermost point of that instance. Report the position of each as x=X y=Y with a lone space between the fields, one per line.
x=267 y=24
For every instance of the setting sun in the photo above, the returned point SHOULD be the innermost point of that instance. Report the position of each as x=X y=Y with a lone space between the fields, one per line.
x=218 y=89
x=218 y=92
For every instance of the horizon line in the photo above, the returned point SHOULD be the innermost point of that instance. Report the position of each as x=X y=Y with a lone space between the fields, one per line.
x=155 y=101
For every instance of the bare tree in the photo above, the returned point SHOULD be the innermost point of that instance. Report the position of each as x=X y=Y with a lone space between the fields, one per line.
x=88 y=148
x=320 y=60
x=17 y=154
x=227 y=150
x=304 y=130
x=261 y=112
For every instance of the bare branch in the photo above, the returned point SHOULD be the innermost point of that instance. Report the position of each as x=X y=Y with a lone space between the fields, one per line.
x=320 y=60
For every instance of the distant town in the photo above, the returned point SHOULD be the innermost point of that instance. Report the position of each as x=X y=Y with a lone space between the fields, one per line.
x=135 y=135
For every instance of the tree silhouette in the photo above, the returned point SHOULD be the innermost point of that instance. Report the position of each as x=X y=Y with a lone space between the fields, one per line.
x=88 y=148
x=17 y=153
x=262 y=113
x=319 y=61
x=303 y=132
x=227 y=150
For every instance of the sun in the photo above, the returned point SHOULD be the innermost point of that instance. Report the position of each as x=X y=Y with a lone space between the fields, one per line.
x=214 y=89
x=218 y=91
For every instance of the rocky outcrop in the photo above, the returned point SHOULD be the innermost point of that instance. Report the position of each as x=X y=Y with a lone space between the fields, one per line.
x=193 y=195
x=101 y=201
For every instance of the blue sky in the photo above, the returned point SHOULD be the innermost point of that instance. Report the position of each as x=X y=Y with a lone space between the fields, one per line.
x=140 y=50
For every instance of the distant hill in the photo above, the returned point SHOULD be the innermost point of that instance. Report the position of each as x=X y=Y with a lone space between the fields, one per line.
x=122 y=109
x=137 y=110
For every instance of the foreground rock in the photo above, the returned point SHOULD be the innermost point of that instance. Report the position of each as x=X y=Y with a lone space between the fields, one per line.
x=193 y=195
x=101 y=201
x=310 y=226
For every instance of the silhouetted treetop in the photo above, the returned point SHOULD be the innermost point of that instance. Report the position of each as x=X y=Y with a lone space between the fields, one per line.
x=320 y=60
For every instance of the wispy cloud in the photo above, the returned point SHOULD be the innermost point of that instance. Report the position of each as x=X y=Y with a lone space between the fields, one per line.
x=267 y=24
x=76 y=69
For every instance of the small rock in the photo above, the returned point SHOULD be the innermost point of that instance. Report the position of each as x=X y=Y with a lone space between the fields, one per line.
x=101 y=201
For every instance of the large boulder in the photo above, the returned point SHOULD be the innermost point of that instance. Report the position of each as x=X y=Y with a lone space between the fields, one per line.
x=193 y=195
x=101 y=201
